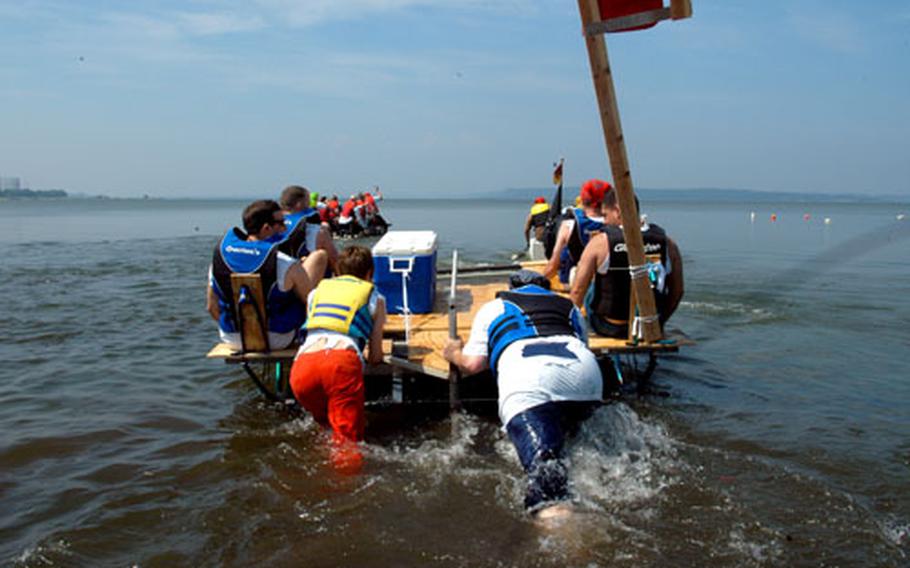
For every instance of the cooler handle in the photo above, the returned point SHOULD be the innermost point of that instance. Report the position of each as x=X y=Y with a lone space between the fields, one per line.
x=401 y=265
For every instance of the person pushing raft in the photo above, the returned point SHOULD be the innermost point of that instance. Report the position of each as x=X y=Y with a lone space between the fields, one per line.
x=535 y=343
x=345 y=319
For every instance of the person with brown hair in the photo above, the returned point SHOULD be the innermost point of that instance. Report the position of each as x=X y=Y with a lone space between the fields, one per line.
x=304 y=231
x=345 y=318
x=606 y=263
x=285 y=280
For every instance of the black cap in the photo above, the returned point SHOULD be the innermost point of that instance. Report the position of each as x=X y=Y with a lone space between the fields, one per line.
x=525 y=277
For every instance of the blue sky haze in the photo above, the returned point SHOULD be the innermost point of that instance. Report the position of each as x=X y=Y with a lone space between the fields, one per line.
x=240 y=98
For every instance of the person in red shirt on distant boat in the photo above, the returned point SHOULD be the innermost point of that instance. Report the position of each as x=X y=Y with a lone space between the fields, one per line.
x=347 y=212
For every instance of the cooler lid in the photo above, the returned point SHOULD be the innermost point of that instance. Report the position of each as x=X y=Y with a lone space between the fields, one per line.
x=406 y=243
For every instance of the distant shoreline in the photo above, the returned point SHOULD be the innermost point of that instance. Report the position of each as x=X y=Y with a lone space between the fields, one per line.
x=32 y=194
x=695 y=195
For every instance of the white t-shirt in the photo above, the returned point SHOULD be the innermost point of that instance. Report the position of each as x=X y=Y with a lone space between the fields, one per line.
x=335 y=340
x=312 y=231
x=528 y=381
x=276 y=340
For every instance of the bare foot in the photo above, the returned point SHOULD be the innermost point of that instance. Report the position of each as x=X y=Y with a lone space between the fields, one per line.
x=557 y=511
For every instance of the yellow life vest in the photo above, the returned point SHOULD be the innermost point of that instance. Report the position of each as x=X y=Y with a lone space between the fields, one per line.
x=342 y=304
x=539 y=208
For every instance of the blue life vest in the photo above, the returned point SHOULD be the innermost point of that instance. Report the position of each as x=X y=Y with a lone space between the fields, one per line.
x=584 y=228
x=292 y=241
x=236 y=255
x=530 y=311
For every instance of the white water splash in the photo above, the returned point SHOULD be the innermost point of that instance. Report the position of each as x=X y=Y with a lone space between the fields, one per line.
x=619 y=459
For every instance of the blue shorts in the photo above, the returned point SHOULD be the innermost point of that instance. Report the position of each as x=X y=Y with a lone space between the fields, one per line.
x=539 y=435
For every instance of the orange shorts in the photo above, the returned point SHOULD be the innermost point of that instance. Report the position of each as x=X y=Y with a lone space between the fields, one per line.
x=329 y=384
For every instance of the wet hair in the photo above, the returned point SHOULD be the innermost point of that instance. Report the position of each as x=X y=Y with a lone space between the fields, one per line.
x=355 y=260
x=294 y=195
x=258 y=214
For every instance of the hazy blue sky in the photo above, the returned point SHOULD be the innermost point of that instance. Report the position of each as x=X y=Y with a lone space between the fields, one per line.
x=241 y=97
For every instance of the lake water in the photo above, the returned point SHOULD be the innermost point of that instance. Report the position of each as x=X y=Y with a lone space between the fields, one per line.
x=781 y=439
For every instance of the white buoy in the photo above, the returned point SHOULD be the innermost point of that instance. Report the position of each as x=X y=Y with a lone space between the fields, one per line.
x=752 y=217
x=827 y=220
x=901 y=216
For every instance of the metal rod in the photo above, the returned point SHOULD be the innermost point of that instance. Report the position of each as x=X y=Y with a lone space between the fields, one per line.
x=487 y=268
x=454 y=372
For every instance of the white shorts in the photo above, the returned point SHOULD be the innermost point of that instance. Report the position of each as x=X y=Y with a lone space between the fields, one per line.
x=527 y=379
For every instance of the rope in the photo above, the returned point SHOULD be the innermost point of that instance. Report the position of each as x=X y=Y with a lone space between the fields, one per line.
x=638 y=327
x=638 y=271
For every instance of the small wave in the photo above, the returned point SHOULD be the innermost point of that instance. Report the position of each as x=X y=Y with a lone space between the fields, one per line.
x=896 y=532
x=618 y=459
x=754 y=551
x=52 y=553
x=433 y=455
x=732 y=309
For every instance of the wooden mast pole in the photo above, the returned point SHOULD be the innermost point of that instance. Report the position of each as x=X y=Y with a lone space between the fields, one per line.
x=619 y=164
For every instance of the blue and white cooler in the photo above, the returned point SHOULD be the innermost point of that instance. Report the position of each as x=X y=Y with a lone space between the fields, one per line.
x=405 y=270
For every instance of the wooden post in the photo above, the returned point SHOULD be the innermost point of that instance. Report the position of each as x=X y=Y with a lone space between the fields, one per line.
x=619 y=164
x=680 y=9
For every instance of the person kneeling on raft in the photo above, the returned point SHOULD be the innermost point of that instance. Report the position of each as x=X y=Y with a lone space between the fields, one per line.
x=549 y=382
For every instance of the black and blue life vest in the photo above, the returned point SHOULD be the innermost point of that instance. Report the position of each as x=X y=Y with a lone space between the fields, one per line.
x=530 y=311
x=612 y=290
x=584 y=228
x=292 y=241
x=236 y=255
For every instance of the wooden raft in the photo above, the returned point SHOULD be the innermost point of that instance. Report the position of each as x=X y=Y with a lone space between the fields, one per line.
x=429 y=332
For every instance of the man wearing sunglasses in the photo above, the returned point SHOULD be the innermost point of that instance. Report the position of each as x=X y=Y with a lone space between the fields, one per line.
x=286 y=281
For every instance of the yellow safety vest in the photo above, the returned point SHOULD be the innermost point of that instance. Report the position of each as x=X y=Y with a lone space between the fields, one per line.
x=342 y=304
x=539 y=208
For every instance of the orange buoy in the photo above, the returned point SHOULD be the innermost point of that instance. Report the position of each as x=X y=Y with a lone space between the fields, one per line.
x=773 y=217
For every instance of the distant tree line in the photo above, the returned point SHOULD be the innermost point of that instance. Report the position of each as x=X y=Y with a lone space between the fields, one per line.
x=31 y=193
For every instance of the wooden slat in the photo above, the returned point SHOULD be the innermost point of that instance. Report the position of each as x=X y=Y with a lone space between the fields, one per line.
x=252 y=330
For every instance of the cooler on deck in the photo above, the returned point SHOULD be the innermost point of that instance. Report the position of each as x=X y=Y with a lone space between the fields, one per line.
x=405 y=270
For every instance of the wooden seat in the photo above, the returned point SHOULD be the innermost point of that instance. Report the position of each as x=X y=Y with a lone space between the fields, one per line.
x=250 y=314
